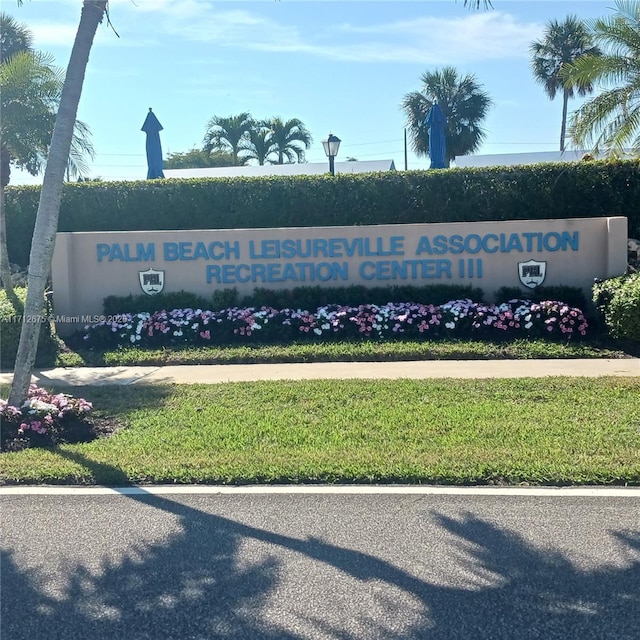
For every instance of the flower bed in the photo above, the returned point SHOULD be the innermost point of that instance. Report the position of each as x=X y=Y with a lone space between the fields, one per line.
x=456 y=319
x=42 y=420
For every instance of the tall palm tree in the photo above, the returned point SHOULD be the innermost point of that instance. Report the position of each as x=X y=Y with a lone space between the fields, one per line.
x=14 y=38
x=563 y=43
x=46 y=226
x=464 y=104
x=290 y=139
x=611 y=120
x=260 y=145
x=30 y=89
x=228 y=134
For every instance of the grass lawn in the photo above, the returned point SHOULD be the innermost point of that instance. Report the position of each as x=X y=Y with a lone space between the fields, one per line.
x=366 y=350
x=553 y=430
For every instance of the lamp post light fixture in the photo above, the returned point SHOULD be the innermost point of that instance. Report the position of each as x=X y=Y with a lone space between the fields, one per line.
x=331 y=146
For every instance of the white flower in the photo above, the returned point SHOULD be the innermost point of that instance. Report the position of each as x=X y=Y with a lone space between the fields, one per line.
x=450 y=325
x=317 y=331
x=38 y=405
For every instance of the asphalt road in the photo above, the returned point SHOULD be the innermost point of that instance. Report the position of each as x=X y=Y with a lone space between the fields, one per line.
x=343 y=567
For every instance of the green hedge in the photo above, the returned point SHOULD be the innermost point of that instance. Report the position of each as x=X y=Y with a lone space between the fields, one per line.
x=563 y=190
x=618 y=299
x=296 y=298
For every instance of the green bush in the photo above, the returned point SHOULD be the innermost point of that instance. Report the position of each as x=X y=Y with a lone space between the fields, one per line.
x=115 y=305
x=10 y=327
x=572 y=296
x=354 y=295
x=296 y=298
x=618 y=299
x=224 y=299
x=531 y=192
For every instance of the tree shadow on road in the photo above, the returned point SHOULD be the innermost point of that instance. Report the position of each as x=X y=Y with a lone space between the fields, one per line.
x=194 y=584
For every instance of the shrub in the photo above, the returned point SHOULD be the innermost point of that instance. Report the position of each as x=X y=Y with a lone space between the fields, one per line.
x=354 y=295
x=573 y=296
x=618 y=299
x=115 y=305
x=296 y=298
x=224 y=298
x=11 y=325
x=458 y=319
x=526 y=192
x=42 y=420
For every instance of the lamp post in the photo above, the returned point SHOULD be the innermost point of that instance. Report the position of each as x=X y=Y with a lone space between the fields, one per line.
x=331 y=146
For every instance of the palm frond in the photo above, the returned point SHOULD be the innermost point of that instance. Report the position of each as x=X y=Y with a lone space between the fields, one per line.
x=463 y=103
x=611 y=121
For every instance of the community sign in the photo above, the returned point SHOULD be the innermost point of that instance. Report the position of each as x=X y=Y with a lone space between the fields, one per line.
x=87 y=267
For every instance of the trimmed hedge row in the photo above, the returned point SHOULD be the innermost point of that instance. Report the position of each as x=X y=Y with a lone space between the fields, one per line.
x=296 y=298
x=563 y=190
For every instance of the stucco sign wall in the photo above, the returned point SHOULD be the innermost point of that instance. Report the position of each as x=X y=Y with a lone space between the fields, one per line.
x=87 y=267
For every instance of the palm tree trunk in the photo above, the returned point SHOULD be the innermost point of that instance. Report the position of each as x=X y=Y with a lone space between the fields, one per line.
x=563 y=128
x=44 y=234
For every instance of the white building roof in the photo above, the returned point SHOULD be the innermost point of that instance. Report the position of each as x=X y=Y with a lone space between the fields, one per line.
x=297 y=169
x=509 y=159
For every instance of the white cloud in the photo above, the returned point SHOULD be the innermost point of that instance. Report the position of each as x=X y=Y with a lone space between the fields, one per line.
x=468 y=37
x=473 y=37
x=48 y=34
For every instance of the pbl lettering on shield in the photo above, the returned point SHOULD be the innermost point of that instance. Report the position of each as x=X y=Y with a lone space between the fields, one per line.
x=532 y=273
x=151 y=281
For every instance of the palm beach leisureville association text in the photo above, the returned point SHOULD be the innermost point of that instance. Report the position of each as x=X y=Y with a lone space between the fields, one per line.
x=394 y=257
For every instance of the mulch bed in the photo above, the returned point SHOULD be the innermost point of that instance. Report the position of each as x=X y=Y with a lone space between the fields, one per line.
x=72 y=432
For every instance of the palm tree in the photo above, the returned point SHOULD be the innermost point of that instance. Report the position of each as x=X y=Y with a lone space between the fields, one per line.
x=197 y=159
x=46 y=226
x=463 y=103
x=290 y=139
x=563 y=44
x=611 y=120
x=260 y=144
x=14 y=37
x=228 y=134
x=30 y=88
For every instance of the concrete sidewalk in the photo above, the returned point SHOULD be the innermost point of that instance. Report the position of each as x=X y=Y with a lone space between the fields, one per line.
x=214 y=374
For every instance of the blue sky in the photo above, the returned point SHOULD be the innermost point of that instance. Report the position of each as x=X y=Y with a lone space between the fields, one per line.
x=338 y=66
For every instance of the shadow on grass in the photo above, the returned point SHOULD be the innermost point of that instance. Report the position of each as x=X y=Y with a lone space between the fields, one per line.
x=198 y=582
x=120 y=400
